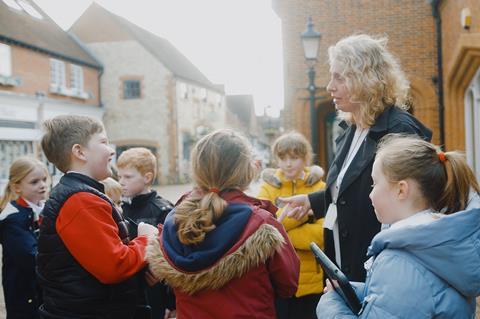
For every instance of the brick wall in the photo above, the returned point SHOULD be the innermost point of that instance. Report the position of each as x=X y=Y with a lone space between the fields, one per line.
x=408 y=24
x=34 y=70
x=144 y=121
x=461 y=56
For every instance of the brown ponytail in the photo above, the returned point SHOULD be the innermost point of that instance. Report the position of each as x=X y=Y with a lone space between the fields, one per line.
x=460 y=181
x=8 y=196
x=220 y=161
x=445 y=179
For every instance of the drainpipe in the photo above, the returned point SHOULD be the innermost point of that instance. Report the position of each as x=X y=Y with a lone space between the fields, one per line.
x=438 y=37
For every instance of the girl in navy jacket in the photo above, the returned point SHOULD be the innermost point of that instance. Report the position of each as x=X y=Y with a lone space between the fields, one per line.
x=20 y=209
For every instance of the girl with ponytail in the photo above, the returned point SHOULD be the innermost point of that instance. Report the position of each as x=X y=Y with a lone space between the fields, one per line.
x=223 y=252
x=21 y=205
x=426 y=263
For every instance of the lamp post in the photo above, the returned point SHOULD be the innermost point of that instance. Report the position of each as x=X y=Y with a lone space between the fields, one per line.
x=311 y=40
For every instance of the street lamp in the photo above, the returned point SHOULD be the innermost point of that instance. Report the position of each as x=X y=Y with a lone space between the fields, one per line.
x=311 y=40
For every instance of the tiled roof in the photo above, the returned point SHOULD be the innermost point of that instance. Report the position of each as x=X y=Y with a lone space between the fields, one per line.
x=159 y=47
x=19 y=27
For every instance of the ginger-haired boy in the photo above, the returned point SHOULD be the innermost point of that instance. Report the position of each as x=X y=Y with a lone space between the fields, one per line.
x=293 y=154
x=137 y=169
x=86 y=262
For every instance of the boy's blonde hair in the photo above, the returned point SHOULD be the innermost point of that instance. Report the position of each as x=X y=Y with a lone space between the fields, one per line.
x=444 y=179
x=221 y=161
x=140 y=158
x=372 y=76
x=64 y=131
x=19 y=169
x=113 y=188
x=293 y=144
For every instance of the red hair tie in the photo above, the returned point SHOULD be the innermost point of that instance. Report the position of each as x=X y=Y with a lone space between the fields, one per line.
x=442 y=157
x=213 y=190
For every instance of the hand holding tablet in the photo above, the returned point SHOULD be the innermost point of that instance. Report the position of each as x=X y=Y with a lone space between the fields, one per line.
x=342 y=285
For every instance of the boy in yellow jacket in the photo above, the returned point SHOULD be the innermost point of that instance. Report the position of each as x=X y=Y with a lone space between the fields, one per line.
x=293 y=154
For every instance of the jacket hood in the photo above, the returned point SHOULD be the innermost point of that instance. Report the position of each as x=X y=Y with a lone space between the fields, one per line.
x=240 y=241
x=449 y=247
x=216 y=243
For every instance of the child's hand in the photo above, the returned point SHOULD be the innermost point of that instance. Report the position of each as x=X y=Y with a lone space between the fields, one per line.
x=150 y=278
x=329 y=286
x=147 y=230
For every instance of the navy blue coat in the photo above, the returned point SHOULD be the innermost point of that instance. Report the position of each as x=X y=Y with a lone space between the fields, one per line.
x=356 y=219
x=18 y=236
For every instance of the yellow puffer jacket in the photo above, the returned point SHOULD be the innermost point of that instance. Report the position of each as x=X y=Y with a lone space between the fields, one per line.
x=300 y=232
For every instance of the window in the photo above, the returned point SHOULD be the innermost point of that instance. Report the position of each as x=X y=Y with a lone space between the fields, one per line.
x=76 y=78
x=30 y=9
x=5 y=60
x=10 y=151
x=203 y=94
x=22 y=5
x=13 y=4
x=472 y=124
x=131 y=89
x=183 y=89
x=57 y=73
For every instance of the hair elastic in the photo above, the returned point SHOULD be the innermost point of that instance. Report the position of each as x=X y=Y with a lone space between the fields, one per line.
x=213 y=190
x=442 y=157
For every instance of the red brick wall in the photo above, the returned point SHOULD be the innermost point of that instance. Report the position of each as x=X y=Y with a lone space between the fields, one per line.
x=34 y=70
x=461 y=51
x=408 y=24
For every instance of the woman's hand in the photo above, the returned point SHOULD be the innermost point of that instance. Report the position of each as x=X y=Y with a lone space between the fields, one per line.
x=296 y=206
x=147 y=230
x=170 y=313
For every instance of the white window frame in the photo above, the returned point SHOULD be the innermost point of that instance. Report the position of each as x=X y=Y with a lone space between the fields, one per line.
x=57 y=73
x=472 y=123
x=76 y=78
x=5 y=60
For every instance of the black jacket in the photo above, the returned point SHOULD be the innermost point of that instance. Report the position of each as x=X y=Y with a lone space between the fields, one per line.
x=152 y=209
x=149 y=208
x=69 y=291
x=356 y=218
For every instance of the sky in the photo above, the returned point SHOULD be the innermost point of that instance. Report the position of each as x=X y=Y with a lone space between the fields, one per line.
x=237 y=43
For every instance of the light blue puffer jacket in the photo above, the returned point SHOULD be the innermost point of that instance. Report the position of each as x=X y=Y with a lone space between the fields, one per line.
x=423 y=271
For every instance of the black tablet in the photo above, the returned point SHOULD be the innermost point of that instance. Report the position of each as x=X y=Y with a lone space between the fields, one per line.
x=343 y=288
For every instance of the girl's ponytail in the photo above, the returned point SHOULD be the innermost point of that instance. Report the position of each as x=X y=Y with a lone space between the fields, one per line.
x=460 y=182
x=221 y=161
x=8 y=196
x=196 y=215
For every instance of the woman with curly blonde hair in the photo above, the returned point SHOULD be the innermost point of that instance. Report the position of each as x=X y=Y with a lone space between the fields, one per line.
x=223 y=252
x=370 y=92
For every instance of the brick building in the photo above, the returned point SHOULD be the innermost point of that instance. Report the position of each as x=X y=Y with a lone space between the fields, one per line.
x=411 y=29
x=154 y=96
x=460 y=30
x=44 y=72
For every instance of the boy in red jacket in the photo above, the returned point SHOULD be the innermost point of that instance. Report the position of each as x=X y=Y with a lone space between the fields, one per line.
x=86 y=261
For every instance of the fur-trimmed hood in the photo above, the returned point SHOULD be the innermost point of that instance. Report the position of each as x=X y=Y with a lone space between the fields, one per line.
x=241 y=241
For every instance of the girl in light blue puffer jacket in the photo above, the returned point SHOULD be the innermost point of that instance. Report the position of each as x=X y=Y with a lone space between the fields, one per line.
x=427 y=263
